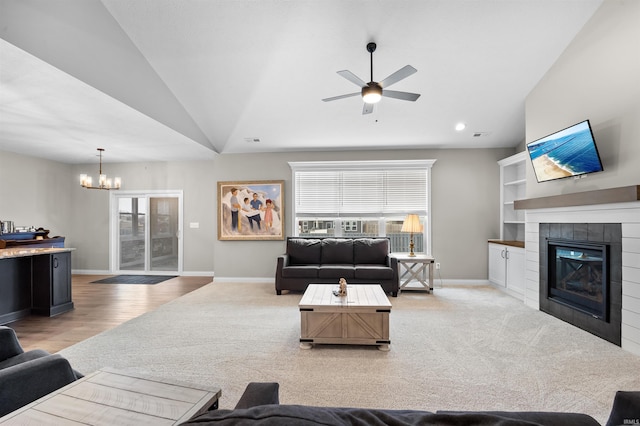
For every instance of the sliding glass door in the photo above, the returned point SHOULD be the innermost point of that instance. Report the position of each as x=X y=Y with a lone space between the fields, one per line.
x=147 y=233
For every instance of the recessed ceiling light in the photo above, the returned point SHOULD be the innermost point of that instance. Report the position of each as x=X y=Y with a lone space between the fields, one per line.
x=460 y=127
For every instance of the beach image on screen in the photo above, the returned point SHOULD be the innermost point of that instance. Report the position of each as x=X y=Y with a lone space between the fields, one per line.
x=566 y=153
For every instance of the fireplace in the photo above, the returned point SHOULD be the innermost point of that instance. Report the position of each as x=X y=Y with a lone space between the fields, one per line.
x=581 y=276
x=578 y=276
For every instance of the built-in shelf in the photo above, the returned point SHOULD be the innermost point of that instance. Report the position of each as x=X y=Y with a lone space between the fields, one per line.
x=622 y=194
x=513 y=184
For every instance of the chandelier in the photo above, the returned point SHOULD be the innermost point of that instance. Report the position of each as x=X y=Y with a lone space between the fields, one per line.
x=103 y=181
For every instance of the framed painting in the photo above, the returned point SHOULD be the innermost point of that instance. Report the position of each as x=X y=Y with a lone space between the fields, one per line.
x=251 y=210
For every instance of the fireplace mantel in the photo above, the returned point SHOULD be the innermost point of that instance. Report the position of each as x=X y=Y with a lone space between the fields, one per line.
x=620 y=194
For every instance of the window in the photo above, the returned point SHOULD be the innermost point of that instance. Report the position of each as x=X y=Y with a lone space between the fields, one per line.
x=362 y=198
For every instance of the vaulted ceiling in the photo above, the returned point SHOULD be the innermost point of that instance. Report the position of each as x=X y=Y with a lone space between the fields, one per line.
x=157 y=80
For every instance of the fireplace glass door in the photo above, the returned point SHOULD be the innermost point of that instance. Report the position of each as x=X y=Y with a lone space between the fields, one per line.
x=578 y=276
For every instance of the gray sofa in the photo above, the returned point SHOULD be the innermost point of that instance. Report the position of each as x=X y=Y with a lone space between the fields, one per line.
x=259 y=405
x=27 y=376
x=326 y=260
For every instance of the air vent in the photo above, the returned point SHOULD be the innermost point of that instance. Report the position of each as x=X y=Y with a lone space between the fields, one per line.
x=252 y=140
x=481 y=134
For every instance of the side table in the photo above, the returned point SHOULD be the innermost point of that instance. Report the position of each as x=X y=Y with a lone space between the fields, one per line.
x=415 y=269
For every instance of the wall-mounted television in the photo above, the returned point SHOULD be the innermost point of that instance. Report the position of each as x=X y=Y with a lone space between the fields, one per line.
x=565 y=153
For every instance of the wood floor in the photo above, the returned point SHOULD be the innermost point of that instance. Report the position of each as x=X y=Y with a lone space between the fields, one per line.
x=99 y=307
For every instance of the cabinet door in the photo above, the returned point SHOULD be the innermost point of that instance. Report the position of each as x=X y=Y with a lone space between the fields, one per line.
x=516 y=270
x=61 y=278
x=497 y=264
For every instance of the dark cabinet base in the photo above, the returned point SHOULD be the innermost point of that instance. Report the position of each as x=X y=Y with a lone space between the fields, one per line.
x=15 y=289
x=52 y=284
x=53 y=310
x=39 y=284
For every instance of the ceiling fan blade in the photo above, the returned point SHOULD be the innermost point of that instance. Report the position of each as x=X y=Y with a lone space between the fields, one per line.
x=341 y=97
x=405 y=96
x=403 y=72
x=367 y=108
x=352 y=78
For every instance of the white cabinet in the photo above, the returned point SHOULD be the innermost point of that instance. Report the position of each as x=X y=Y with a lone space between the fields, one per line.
x=497 y=265
x=507 y=268
x=513 y=184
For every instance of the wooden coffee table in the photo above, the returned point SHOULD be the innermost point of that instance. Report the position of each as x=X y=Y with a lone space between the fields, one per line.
x=111 y=397
x=360 y=318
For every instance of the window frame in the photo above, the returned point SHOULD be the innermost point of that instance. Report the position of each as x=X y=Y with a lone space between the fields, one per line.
x=426 y=165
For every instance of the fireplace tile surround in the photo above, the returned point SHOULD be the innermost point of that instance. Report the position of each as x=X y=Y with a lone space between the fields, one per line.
x=627 y=214
x=602 y=234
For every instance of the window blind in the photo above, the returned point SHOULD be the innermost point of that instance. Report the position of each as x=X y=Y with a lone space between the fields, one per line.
x=360 y=191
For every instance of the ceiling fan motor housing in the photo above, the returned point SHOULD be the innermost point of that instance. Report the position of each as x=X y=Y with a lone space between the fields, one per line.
x=371 y=93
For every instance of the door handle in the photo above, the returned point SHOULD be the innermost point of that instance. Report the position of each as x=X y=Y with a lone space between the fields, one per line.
x=55 y=262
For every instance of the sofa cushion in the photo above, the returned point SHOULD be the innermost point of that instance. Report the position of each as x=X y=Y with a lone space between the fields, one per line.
x=303 y=251
x=337 y=251
x=548 y=418
x=23 y=357
x=335 y=272
x=625 y=410
x=370 y=251
x=301 y=271
x=307 y=415
x=373 y=272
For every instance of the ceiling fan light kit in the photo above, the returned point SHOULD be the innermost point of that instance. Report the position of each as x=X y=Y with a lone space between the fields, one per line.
x=373 y=91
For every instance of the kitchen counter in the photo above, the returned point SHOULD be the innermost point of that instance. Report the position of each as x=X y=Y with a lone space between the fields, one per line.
x=34 y=281
x=21 y=252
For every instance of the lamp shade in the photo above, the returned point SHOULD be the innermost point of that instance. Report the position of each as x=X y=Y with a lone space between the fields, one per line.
x=411 y=224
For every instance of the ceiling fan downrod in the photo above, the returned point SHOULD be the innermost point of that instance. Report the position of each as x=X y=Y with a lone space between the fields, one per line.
x=371 y=47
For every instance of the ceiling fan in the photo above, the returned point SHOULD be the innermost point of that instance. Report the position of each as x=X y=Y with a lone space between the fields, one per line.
x=373 y=91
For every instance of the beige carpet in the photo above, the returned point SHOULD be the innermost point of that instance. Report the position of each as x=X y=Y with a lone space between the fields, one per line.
x=461 y=348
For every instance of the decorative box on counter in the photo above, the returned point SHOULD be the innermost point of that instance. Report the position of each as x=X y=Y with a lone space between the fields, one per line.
x=37 y=238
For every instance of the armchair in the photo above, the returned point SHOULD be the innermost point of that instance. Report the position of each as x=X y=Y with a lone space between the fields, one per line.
x=27 y=376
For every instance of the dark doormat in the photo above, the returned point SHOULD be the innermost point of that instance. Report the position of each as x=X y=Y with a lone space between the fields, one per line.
x=134 y=279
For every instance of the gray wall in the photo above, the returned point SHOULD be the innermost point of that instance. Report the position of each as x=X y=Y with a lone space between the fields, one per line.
x=596 y=78
x=35 y=192
x=465 y=202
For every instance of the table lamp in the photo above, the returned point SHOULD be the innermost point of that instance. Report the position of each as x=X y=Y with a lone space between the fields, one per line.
x=411 y=224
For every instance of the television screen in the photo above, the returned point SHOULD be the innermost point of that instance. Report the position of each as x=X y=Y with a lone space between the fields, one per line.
x=569 y=152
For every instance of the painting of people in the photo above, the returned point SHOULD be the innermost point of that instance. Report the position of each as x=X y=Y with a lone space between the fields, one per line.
x=251 y=210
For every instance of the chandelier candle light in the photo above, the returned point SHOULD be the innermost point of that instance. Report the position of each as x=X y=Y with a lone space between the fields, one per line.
x=411 y=224
x=103 y=181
